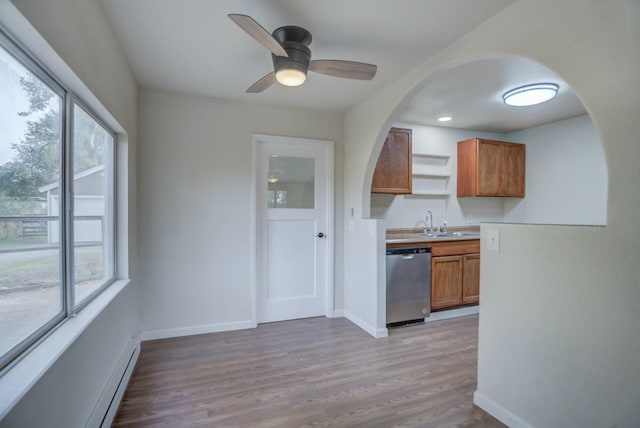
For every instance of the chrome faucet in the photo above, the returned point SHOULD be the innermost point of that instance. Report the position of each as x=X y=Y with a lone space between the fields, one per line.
x=444 y=226
x=428 y=217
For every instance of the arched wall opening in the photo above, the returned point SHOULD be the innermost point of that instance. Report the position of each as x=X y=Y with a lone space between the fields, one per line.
x=566 y=169
x=549 y=293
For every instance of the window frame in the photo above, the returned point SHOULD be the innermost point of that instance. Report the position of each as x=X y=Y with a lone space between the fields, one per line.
x=73 y=308
x=66 y=216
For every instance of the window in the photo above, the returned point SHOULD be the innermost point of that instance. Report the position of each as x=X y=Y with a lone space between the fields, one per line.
x=291 y=182
x=57 y=198
x=93 y=204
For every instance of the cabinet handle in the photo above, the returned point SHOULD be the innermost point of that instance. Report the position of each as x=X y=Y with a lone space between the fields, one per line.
x=321 y=235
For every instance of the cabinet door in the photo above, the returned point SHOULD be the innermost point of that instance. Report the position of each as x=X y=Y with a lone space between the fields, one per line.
x=513 y=170
x=446 y=281
x=393 y=170
x=489 y=168
x=471 y=278
x=467 y=167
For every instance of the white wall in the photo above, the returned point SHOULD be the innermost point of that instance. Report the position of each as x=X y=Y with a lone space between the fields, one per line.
x=566 y=179
x=195 y=205
x=74 y=40
x=566 y=175
x=558 y=328
x=570 y=292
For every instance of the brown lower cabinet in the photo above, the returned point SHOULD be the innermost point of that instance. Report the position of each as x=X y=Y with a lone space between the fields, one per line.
x=455 y=273
x=471 y=278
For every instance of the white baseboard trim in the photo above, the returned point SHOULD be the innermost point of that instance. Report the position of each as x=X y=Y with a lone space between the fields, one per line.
x=107 y=405
x=338 y=313
x=375 y=332
x=453 y=313
x=498 y=412
x=196 y=329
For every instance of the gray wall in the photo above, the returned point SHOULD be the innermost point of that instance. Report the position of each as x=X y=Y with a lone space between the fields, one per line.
x=566 y=175
x=195 y=205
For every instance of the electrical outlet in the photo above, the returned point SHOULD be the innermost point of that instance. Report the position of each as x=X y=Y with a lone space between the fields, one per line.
x=469 y=219
x=493 y=240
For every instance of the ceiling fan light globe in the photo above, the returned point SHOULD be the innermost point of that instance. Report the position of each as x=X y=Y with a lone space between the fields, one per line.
x=290 y=77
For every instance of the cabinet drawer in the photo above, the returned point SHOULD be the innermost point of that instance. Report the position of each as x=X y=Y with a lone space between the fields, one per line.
x=453 y=248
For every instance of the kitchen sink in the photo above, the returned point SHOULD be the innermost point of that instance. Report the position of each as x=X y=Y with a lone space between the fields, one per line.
x=445 y=234
x=435 y=234
x=466 y=234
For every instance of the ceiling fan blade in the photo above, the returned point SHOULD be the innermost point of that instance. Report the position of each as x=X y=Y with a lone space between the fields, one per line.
x=256 y=31
x=263 y=83
x=345 y=69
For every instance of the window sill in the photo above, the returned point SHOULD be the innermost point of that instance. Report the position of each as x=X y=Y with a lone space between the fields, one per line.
x=20 y=377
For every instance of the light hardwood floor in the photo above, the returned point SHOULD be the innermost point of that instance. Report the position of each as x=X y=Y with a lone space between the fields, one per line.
x=314 y=372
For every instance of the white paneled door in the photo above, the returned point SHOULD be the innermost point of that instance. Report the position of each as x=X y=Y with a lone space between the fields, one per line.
x=294 y=228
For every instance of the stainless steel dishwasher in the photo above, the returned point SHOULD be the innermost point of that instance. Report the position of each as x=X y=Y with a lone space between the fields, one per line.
x=408 y=284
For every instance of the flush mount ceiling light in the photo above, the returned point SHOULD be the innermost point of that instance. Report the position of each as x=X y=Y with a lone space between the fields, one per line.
x=444 y=119
x=530 y=95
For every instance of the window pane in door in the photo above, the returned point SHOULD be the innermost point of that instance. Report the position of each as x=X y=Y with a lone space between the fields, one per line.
x=291 y=182
x=30 y=178
x=93 y=197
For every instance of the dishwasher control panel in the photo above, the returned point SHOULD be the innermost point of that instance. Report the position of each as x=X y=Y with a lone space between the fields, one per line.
x=409 y=251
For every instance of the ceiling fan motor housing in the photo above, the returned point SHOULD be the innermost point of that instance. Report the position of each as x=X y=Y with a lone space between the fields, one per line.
x=296 y=41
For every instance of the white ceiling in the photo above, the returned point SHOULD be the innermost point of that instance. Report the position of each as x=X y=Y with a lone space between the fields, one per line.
x=191 y=46
x=472 y=95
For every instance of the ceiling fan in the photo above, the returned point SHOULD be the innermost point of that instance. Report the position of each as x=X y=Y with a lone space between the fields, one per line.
x=289 y=46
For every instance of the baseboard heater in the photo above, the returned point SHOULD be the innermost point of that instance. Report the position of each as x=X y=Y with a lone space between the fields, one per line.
x=114 y=404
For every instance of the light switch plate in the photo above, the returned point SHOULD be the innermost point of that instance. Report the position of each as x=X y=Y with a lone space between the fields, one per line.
x=493 y=240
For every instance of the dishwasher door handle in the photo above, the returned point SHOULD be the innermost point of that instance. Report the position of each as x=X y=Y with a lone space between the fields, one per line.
x=407 y=256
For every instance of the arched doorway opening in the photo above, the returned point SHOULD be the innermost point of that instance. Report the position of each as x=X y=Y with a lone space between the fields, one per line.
x=566 y=171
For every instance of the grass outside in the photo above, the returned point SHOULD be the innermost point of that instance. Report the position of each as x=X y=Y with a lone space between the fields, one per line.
x=16 y=242
x=30 y=291
x=42 y=267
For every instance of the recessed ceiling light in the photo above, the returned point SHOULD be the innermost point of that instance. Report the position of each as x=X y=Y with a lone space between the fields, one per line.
x=444 y=119
x=530 y=95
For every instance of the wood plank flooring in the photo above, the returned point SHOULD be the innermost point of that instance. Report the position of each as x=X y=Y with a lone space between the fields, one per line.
x=314 y=372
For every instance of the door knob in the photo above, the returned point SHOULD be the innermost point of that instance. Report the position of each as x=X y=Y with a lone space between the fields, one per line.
x=320 y=235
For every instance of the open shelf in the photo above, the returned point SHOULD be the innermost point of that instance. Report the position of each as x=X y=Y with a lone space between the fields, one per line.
x=431 y=175
x=430 y=155
x=428 y=195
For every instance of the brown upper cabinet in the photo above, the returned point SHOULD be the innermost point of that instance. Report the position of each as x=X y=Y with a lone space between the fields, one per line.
x=393 y=170
x=490 y=168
